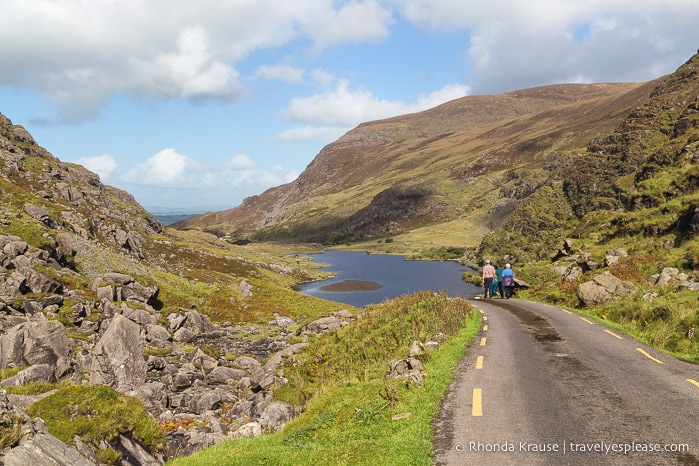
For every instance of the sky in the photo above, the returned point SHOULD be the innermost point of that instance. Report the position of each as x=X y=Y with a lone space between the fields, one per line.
x=199 y=104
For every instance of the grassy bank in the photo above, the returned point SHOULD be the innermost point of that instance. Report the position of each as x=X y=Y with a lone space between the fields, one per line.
x=354 y=415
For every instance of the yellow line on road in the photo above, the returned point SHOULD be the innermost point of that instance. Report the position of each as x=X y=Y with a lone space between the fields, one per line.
x=588 y=321
x=485 y=318
x=649 y=356
x=479 y=362
x=566 y=311
x=477 y=406
x=693 y=382
x=614 y=334
x=483 y=341
x=480 y=310
x=485 y=328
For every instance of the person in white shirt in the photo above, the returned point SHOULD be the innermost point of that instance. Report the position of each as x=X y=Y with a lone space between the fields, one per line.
x=488 y=277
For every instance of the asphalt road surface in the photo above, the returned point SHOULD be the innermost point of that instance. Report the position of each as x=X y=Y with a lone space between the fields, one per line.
x=544 y=386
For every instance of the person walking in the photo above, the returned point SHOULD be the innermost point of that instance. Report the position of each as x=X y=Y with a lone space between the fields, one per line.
x=488 y=276
x=508 y=280
x=498 y=274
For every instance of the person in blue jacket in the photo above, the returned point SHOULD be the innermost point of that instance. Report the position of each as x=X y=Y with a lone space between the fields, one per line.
x=508 y=280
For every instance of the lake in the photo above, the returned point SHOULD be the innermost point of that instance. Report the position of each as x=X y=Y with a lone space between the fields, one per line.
x=373 y=278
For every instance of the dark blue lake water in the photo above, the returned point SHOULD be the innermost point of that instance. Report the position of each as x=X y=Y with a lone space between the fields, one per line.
x=394 y=274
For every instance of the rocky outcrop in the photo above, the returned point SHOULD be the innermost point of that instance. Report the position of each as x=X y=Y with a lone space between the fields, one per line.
x=96 y=211
x=185 y=369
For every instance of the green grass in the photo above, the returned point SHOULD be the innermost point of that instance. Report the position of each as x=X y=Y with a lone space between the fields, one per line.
x=97 y=414
x=349 y=419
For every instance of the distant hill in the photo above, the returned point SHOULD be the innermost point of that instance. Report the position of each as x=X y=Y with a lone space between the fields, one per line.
x=468 y=162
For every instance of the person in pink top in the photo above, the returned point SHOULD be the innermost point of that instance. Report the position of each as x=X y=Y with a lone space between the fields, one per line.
x=488 y=277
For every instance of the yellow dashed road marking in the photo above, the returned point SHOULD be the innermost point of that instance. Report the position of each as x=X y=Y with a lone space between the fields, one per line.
x=693 y=382
x=588 y=321
x=479 y=362
x=485 y=328
x=648 y=356
x=477 y=406
x=614 y=334
x=483 y=341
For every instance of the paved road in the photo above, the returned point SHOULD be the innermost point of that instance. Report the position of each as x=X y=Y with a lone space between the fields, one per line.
x=542 y=385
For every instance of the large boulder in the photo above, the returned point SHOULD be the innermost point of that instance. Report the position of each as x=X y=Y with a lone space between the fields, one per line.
x=45 y=450
x=603 y=288
x=118 y=356
x=40 y=342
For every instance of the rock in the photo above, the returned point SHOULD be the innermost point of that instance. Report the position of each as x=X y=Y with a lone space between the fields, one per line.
x=245 y=290
x=133 y=453
x=619 y=252
x=610 y=261
x=283 y=322
x=185 y=376
x=275 y=416
x=247 y=363
x=138 y=316
x=176 y=321
x=688 y=286
x=397 y=368
x=568 y=273
x=157 y=332
x=225 y=375
x=39 y=373
x=153 y=395
x=183 y=335
x=40 y=342
x=416 y=350
x=668 y=274
x=250 y=430
x=203 y=361
x=603 y=288
x=38 y=282
x=323 y=325
x=416 y=365
x=344 y=313
x=264 y=377
x=45 y=450
x=118 y=356
x=205 y=402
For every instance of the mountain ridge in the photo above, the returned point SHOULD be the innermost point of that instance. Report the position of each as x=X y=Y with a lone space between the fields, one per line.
x=458 y=140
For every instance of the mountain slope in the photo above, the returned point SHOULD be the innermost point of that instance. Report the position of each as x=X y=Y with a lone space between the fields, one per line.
x=427 y=168
x=641 y=180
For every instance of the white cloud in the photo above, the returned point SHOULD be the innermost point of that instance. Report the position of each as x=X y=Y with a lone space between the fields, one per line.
x=284 y=73
x=354 y=21
x=169 y=169
x=80 y=53
x=241 y=162
x=344 y=107
x=519 y=44
x=313 y=133
x=104 y=165
x=166 y=168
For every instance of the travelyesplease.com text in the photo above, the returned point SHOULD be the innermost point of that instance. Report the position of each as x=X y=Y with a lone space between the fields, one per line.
x=572 y=447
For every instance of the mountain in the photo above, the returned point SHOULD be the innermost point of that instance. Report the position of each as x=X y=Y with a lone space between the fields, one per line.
x=467 y=162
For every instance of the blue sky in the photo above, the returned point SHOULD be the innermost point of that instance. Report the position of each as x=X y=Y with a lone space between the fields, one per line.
x=188 y=104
